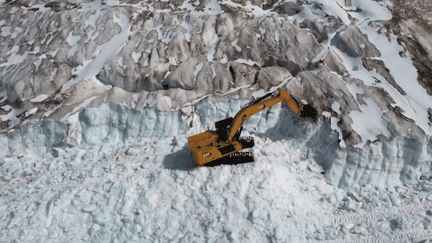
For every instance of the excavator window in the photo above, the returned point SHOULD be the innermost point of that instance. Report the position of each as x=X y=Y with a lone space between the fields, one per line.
x=227 y=149
x=222 y=128
x=295 y=100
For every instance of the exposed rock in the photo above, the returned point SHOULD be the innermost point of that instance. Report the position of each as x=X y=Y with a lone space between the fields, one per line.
x=154 y=57
x=48 y=59
x=298 y=44
x=332 y=62
x=223 y=79
x=289 y=8
x=430 y=114
x=416 y=40
x=380 y=68
x=321 y=30
x=271 y=76
x=269 y=4
x=321 y=85
x=292 y=67
x=354 y=43
x=61 y=6
x=317 y=29
x=242 y=74
x=185 y=76
x=253 y=2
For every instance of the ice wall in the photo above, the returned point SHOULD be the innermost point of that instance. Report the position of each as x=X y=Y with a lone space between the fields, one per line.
x=34 y=139
x=114 y=123
x=381 y=163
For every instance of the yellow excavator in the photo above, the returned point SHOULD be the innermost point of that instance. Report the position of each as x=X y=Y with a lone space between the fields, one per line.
x=223 y=146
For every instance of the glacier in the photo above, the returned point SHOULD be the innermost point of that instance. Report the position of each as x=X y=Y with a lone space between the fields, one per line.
x=97 y=99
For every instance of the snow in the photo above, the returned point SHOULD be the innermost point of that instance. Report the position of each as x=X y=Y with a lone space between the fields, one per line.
x=105 y=53
x=336 y=107
x=248 y=62
x=198 y=69
x=405 y=75
x=234 y=44
x=213 y=7
x=31 y=111
x=130 y=177
x=369 y=123
x=213 y=46
x=371 y=10
x=12 y=116
x=39 y=98
x=136 y=192
x=6 y=107
x=414 y=104
x=133 y=180
x=304 y=14
x=188 y=26
x=14 y=57
x=3 y=94
x=73 y=40
x=136 y=56
x=8 y=31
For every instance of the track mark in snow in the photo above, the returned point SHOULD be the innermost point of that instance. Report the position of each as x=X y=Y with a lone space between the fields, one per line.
x=404 y=236
x=382 y=212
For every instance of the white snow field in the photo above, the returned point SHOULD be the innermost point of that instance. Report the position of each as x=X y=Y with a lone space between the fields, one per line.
x=129 y=182
x=98 y=98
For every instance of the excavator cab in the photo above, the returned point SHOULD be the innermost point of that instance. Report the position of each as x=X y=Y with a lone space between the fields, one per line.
x=224 y=145
x=212 y=148
x=222 y=128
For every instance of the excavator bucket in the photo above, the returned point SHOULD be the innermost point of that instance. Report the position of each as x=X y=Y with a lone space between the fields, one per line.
x=301 y=110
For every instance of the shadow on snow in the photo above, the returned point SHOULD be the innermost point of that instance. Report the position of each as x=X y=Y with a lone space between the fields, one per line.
x=180 y=160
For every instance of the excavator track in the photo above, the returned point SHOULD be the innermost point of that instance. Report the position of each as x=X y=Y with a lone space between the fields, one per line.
x=247 y=142
x=233 y=159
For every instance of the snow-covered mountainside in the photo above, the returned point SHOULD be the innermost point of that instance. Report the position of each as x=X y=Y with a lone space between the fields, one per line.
x=98 y=98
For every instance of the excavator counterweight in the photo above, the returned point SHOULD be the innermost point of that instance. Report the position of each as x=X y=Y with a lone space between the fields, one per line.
x=225 y=142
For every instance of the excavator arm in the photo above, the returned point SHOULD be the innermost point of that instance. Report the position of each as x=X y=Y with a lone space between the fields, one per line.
x=210 y=147
x=259 y=105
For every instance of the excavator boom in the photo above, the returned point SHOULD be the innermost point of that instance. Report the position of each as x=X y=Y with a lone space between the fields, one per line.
x=259 y=105
x=210 y=146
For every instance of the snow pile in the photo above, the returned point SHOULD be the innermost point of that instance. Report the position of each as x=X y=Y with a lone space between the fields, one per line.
x=96 y=193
